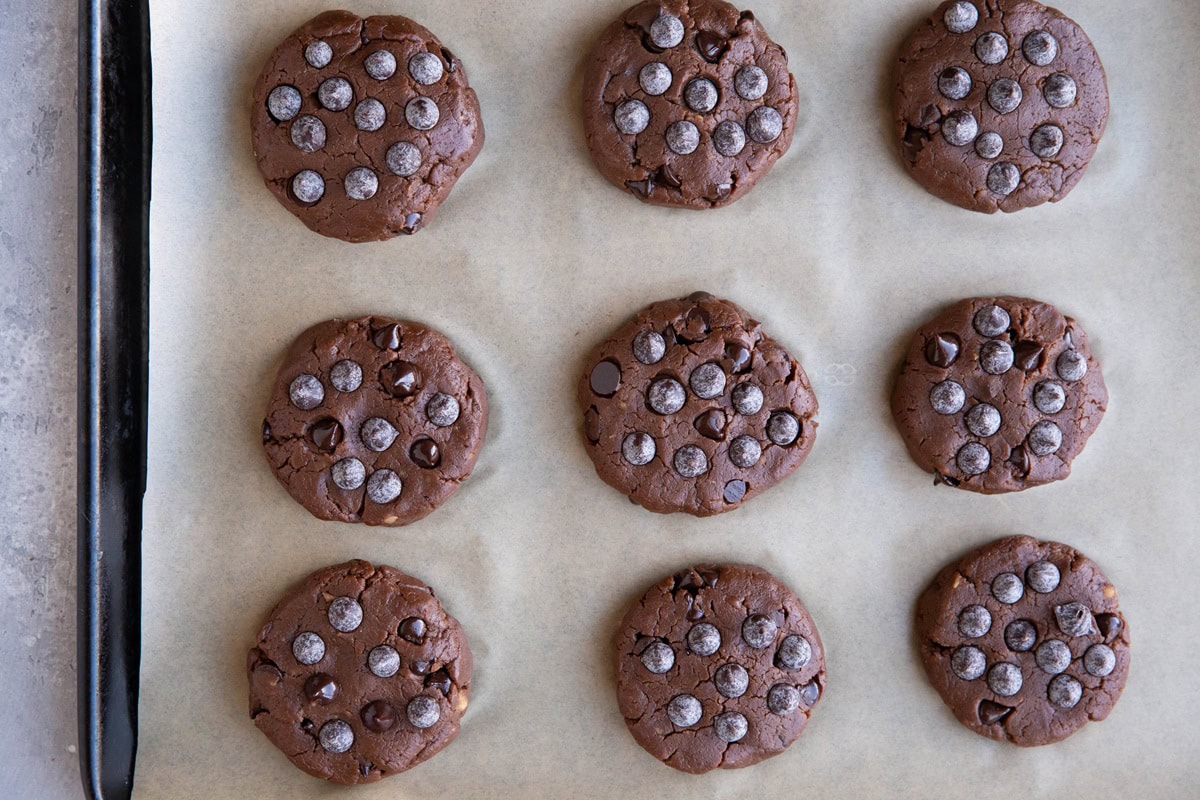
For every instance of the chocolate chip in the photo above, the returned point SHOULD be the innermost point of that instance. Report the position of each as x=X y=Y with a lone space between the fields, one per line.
x=1005 y=679
x=336 y=736
x=439 y=680
x=990 y=713
x=711 y=46
x=335 y=94
x=642 y=188
x=810 y=693
x=989 y=145
x=683 y=137
x=1064 y=691
x=422 y=113
x=369 y=115
x=425 y=453
x=1109 y=625
x=667 y=177
x=666 y=31
x=631 y=117
x=1046 y=141
x=942 y=350
x=389 y=337
x=1049 y=397
x=974 y=621
x=745 y=451
x=412 y=630
x=996 y=357
x=423 y=712
x=973 y=458
x=1060 y=90
x=783 y=428
x=947 y=397
x=1020 y=635
x=1008 y=588
x=1003 y=178
x=346 y=376
x=954 y=83
x=751 y=82
x=793 y=653
x=1044 y=438
x=1040 y=48
x=649 y=347
x=1074 y=619
x=1028 y=355
x=991 y=321
x=690 y=461
x=684 y=711
x=961 y=17
x=701 y=95
x=383 y=661
x=345 y=614
x=711 y=424
x=704 y=639
x=306 y=392
x=783 y=699
x=759 y=631
x=739 y=357
x=658 y=658
x=1004 y=95
x=991 y=48
x=764 y=125
x=320 y=688
x=983 y=420
x=731 y=680
x=747 y=399
x=412 y=223
x=734 y=492
x=1043 y=577
x=442 y=410
x=960 y=128
x=666 y=396
x=1071 y=366
x=425 y=68
x=377 y=434
x=283 y=103
x=606 y=378
x=1099 y=660
x=730 y=726
x=638 y=448
x=380 y=65
x=1019 y=458
x=378 y=716
x=1053 y=656
x=318 y=54
x=308 y=648
x=401 y=379
x=403 y=159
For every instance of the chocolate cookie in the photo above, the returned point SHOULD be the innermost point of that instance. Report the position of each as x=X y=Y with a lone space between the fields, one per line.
x=718 y=667
x=998 y=395
x=687 y=103
x=361 y=127
x=374 y=420
x=1000 y=104
x=1024 y=640
x=689 y=406
x=359 y=673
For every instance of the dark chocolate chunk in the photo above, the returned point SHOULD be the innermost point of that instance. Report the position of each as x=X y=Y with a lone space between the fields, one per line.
x=1019 y=459
x=425 y=453
x=412 y=629
x=606 y=378
x=810 y=693
x=739 y=357
x=320 y=688
x=389 y=337
x=401 y=378
x=942 y=350
x=711 y=424
x=1109 y=626
x=990 y=713
x=711 y=46
x=1028 y=355
x=643 y=187
x=378 y=716
x=668 y=177
x=439 y=680
x=326 y=434
x=266 y=432
x=734 y=491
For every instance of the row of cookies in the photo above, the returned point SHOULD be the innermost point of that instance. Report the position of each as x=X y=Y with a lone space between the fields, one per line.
x=361 y=127
x=360 y=673
x=689 y=406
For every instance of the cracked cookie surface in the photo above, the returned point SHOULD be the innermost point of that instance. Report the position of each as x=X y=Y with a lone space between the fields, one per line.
x=687 y=103
x=359 y=673
x=374 y=420
x=999 y=394
x=718 y=666
x=361 y=127
x=1024 y=640
x=1000 y=104
x=690 y=406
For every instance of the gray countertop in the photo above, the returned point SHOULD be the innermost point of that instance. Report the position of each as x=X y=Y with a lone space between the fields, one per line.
x=38 y=757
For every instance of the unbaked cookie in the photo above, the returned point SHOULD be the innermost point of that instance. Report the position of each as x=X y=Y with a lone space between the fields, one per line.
x=689 y=406
x=687 y=103
x=374 y=420
x=999 y=394
x=1024 y=640
x=361 y=127
x=718 y=667
x=1000 y=104
x=359 y=673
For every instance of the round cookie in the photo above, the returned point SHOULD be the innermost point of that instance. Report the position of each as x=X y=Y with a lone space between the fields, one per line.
x=374 y=420
x=359 y=673
x=999 y=105
x=999 y=394
x=1024 y=640
x=687 y=103
x=718 y=666
x=689 y=406
x=361 y=127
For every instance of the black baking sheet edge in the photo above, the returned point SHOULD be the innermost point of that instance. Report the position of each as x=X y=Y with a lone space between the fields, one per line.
x=113 y=294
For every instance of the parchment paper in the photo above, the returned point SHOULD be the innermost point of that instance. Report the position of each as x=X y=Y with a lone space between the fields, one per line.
x=533 y=259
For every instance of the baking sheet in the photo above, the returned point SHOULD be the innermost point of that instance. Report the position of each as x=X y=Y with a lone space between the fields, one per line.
x=531 y=261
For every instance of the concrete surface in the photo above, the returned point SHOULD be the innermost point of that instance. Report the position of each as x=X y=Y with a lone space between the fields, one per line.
x=38 y=758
